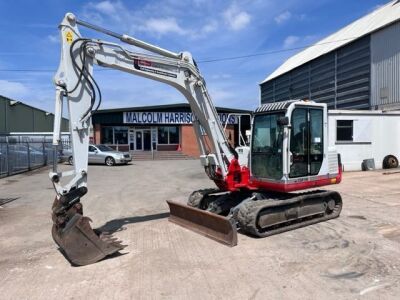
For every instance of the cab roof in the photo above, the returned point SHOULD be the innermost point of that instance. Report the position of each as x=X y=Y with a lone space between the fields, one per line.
x=282 y=105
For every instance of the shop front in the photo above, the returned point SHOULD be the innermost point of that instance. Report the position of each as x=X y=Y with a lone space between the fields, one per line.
x=156 y=128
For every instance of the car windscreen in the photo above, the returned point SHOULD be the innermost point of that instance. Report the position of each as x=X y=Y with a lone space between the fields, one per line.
x=104 y=148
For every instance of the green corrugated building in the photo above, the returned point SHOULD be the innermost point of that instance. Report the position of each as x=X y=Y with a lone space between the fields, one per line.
x=17 y=117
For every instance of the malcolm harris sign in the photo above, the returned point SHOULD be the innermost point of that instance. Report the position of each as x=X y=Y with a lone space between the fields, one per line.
x=132 y=117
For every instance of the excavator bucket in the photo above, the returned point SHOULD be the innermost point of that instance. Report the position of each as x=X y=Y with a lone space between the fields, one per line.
x=211 y=225
x=78 y=241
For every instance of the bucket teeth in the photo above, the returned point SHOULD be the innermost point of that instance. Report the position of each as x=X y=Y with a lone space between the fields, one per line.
x=80 y=243
x=111 y=240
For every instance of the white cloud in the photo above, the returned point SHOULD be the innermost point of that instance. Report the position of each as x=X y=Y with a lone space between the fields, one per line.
x=283 y=17
x=210 y=27
x=154 y=18
x=118 y=92
x=204 y=31
x=293 y=41
x=235 y=18
x=53 y=38
x=290 y=41
x=310 y=38
x=13 y=89
x=220 y=96
x=162 y=26
x=221 y=76
x=114 y=10
x=106 y=7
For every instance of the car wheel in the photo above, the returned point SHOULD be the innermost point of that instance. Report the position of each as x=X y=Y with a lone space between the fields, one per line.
x=71 y=160
x=390 y=162
x=110 y=161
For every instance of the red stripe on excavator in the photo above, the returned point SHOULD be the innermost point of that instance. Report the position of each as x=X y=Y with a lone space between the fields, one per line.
x=296 y=186
x=239 y=178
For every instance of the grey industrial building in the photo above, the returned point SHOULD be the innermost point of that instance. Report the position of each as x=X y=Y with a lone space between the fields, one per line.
x=19 y=118
x=357 y=67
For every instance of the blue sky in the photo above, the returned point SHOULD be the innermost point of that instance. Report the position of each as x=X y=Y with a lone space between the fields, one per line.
x=208 y=29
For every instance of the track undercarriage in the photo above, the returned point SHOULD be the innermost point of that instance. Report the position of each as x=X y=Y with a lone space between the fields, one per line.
x=259 y=214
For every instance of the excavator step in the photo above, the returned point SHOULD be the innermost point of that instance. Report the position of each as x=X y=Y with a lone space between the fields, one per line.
x=208 y=224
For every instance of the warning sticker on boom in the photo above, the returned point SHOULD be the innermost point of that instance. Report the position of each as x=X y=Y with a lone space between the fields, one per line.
x=69 y=37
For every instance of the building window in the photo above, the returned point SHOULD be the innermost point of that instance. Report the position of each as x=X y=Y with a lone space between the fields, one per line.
x=107 y=135
x=174 y=135
x=163 y=135
x=344 y=130
x=120 y=135
x=168 y=135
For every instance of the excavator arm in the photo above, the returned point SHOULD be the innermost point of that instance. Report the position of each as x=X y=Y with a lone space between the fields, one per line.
x=74 y=80
x=75 y=83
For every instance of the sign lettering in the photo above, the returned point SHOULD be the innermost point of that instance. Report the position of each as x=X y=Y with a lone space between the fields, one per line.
x=132 y=117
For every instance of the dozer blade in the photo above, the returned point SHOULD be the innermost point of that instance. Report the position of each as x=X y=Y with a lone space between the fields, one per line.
x=211 y=225
x=79 y=242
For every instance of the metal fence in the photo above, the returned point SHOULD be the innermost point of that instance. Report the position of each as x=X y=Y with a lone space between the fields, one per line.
x=24 y=153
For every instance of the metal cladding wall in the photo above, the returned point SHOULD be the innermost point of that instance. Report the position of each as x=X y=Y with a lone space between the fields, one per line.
x=340 y=78
x=24 y=118
x=3 y=118
x=385 y=68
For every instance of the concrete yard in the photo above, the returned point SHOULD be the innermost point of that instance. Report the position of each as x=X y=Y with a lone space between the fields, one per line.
x=354 y=257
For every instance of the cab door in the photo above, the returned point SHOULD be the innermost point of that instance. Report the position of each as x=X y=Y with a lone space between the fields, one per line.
x=306 y=141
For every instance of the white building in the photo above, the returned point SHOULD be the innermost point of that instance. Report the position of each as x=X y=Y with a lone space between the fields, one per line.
x=360 y=135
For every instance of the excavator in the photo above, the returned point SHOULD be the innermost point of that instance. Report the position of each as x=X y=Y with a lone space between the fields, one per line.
x=257 y=186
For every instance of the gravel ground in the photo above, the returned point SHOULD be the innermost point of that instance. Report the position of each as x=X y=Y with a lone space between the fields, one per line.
x=353 y=257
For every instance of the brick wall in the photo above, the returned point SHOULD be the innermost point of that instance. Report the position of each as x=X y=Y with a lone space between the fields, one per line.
x=189 y=142
x=97 y=133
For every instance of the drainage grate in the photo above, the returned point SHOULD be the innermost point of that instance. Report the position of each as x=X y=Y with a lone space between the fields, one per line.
x=7 y=200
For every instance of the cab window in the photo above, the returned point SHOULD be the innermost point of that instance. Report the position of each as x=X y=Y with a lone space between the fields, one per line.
x=266 y=156
x=306 y=142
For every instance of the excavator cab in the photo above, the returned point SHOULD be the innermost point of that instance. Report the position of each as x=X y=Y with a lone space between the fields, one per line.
x=289 y=152
x=289 y=147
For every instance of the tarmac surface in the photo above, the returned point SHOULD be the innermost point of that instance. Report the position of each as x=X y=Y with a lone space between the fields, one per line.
x=356 y=256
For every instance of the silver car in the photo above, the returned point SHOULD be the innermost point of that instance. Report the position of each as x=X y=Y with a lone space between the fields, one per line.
x=101 y=154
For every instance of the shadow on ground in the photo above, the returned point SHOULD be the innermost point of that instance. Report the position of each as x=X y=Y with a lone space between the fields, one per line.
x=117 y=224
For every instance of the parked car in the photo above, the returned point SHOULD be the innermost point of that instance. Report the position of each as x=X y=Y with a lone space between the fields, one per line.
x=100 y=154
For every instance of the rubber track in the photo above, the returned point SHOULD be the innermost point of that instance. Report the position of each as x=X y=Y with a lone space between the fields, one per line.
x=248 y=213
x=196 y=198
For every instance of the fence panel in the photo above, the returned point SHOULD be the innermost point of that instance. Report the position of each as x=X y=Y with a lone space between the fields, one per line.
x=18 y=158
x=24 y=153
x=3 y=159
